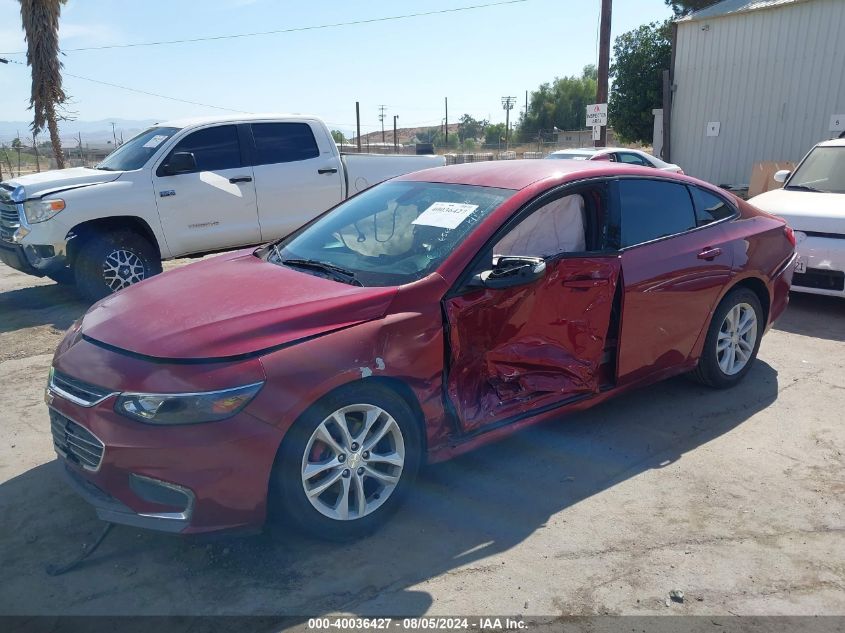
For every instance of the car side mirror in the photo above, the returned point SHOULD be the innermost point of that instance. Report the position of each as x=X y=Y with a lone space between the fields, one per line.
x=180 y=163
x=510 y=271
x=781 y=175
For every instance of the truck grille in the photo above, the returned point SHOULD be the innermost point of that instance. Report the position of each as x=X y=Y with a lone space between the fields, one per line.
x=10 y=219
x=76 y=391
x=75 y=443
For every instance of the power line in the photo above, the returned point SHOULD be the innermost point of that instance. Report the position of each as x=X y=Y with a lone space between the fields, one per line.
x=290 y=30
x=155 y=94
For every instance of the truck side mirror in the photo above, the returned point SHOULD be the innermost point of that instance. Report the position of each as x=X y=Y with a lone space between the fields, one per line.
x=180 y=163
x=781 y=175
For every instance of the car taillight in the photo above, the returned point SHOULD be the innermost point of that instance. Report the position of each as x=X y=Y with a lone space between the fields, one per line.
x=790 y=234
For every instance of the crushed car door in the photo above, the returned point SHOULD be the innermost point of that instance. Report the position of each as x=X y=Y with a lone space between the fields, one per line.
x=533 y=346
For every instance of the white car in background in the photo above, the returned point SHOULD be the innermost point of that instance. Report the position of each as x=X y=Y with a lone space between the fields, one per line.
x=616 y=155
x=812 y=201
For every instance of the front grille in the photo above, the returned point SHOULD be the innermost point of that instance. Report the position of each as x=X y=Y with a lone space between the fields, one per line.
x=820 y=278
x=10 y=219
x=75 y=443
x=76 y=391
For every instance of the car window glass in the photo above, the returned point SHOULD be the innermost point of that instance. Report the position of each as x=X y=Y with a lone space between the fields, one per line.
x=214 y=148
x=557 y=227
x=283 y=142
x=709 y=207
x=632 y=159
x=822 y=170
x=651 y=209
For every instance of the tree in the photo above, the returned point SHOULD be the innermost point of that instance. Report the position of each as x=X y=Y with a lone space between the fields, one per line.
x=16 y=143
x=470 y=128
x=41 y=25
x=562 y=103
x=685 y=7
x=494 y=133
x=338 y=137
x=639 y=58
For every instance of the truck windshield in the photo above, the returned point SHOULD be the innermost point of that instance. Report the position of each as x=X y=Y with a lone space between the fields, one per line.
x=822 y=170
x=134 y=153
x=391 y=234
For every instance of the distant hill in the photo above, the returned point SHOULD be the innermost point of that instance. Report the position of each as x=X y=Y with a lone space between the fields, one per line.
x=92 y=131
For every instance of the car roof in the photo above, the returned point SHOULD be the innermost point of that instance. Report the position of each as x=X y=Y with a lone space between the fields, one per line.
x=230 y=118
x=518 y=174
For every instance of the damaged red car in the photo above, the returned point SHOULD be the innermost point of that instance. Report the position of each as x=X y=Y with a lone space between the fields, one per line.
x=308 y=380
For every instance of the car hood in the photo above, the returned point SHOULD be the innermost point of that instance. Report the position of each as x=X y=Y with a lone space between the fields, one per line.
x=229 y=306
x=37 y=185
x=805 y=210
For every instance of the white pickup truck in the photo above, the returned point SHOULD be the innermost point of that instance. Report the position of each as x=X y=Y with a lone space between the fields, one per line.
x=182 y=188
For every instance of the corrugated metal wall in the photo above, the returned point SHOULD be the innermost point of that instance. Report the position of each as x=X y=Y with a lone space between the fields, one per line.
x=772 y=78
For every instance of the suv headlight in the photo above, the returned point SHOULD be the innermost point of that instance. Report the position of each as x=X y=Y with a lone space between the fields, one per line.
x=42 y=210
x=186 y=408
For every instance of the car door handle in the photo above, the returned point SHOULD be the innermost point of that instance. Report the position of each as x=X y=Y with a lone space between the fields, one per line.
x=327 y=170
x=585 y=283
x=238 y=179
x=710 y=254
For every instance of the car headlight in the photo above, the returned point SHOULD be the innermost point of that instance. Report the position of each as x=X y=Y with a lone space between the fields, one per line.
x=42 y=210
x=186 y=408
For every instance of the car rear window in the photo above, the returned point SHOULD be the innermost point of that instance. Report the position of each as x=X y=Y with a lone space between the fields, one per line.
x=283 y=143
x=651 y=209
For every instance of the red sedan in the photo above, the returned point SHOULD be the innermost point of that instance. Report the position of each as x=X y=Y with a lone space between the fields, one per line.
x=311 y=378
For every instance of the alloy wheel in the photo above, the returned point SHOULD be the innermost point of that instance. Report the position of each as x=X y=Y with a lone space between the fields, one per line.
x=122 y=268
x=737 y=338
x=353 y=462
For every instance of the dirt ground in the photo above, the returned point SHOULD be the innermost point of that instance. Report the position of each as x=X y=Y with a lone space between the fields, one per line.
x=734 y=497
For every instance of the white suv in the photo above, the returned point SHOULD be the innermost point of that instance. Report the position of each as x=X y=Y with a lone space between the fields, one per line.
x=812 y=201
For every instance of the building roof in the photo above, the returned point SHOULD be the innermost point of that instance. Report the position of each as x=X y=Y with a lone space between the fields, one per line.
x=733 y=7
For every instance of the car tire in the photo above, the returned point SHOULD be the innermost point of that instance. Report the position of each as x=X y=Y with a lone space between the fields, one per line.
x=63 y=276
x=729 y=352
x=302 y=448
x=108 y=262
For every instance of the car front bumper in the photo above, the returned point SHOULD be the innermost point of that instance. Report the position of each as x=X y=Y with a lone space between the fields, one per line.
x=822 y=259
x=183 y=479
x=38 y=249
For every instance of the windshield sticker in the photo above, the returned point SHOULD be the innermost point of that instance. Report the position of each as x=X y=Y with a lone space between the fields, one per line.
x=445 y=215
x=155 y=141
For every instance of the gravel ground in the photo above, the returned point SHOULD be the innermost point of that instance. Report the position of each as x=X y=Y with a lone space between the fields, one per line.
x=734 y=497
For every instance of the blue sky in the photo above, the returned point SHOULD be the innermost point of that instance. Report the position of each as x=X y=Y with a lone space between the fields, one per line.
x=473 y=57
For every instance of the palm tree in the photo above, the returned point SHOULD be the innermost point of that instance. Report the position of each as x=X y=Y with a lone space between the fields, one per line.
x=41 y=24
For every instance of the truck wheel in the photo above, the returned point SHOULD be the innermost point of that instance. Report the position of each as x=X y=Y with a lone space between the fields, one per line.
x=108 y=262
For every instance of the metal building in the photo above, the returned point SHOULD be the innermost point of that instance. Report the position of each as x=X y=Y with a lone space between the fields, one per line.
x=755 y=80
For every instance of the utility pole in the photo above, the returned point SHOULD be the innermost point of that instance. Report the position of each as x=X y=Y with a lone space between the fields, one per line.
x=114 y=134
x=19 y=153
x=604 y=63
x=381 y=110
x=446 y=100
x=395 y=140
x=507 y=106
x=81 y=160
x=358 y=124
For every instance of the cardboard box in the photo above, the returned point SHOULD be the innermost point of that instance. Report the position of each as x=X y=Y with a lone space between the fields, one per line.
x=762 y=176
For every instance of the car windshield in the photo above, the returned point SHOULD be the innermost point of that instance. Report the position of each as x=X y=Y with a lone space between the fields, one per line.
x=822 y=170
x=391 y=234
x=570 y=156
x=134 y=153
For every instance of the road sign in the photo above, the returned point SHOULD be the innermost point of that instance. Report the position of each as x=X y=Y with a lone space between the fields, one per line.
x=596 y=114
x=596 y=132
x=837 y=123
